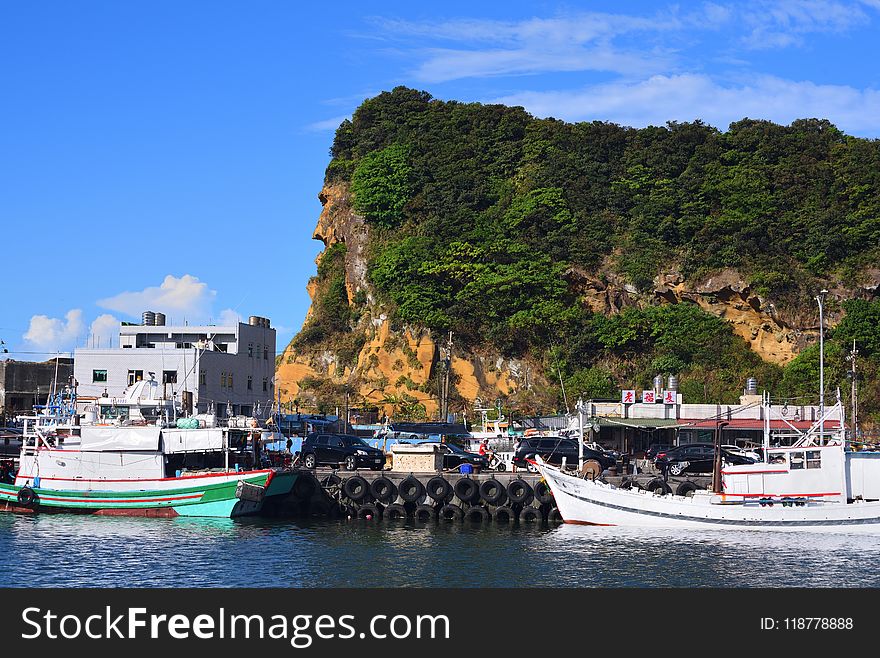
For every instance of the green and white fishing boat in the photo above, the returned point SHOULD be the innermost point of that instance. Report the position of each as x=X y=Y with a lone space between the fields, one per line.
x=130 y=465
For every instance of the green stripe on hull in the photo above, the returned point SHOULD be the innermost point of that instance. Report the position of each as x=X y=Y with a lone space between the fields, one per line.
x=208 y=500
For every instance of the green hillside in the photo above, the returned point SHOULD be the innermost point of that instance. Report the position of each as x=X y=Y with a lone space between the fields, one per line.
x=484 y=220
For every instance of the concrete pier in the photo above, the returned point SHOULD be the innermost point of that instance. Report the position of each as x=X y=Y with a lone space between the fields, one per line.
x=490 y=496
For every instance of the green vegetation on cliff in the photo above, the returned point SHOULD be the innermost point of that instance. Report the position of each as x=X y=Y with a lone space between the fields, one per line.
x=480 y=215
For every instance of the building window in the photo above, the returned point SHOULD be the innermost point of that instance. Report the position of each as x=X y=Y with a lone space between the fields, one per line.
x=135 y=376
x=229 y=380
x=99 y=375
x=251 y=350
x=265 y=352
x=250 y=383
x=222 y=380
x=169 y=376
x=203 y=378
x=265 y=384
x=184 y=346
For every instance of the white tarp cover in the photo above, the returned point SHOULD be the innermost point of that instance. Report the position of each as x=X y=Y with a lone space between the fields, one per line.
x=201 y=440
x=100 y=439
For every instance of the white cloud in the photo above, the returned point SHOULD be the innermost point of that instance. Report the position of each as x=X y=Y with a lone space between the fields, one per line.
x=54 y=333
x=688 y=97
x=783 y=23
x=104 y=331
x=578 y=42
x=327 y=124
x=228 y=317
x=186 y=297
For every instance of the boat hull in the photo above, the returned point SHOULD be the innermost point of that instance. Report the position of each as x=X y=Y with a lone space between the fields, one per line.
x=214 y=495
x=596 y=503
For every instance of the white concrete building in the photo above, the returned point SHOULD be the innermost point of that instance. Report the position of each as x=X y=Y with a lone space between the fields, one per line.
x=227 y=370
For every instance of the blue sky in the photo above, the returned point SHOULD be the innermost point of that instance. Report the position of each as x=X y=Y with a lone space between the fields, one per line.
x=168 y=155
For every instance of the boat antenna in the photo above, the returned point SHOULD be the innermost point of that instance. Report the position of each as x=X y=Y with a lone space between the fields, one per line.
x=561 y=383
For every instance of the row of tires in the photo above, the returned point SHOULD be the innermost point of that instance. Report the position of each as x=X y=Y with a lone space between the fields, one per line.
x=425 y=513
x=440 y=490
x=661 y=487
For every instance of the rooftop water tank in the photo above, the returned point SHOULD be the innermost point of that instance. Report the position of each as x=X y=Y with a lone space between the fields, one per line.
x=658 y=384
x=672 y=383
x=751 y=386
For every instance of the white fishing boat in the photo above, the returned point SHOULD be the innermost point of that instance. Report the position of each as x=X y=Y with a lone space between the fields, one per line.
x=129 y=456
x=816 y=483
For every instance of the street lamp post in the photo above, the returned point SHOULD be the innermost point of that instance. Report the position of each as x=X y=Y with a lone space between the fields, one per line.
x=821 y=298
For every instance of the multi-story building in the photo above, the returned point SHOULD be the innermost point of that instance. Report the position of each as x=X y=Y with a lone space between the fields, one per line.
x=24 y=384
x=225 y=370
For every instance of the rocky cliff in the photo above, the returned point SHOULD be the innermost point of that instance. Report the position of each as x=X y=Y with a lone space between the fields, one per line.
x=397 y=367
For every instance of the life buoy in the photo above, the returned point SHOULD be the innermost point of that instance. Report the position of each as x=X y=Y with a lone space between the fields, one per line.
x=27 y=496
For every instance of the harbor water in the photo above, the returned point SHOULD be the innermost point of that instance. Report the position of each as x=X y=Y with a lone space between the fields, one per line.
x=82 y=551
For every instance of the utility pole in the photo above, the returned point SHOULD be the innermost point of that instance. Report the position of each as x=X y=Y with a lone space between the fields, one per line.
x=447 y=365
x=821 y=298
x=855 y=392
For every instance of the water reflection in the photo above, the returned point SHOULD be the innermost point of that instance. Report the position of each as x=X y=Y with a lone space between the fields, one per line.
x=107 y=552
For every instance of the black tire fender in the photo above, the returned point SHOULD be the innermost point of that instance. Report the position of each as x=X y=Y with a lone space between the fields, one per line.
x=395 y=512
x=369 y=511
x=411 y=489
x=493 y=492
x=543 y=494
x=451 y=513
x=503 y=514
x=476 y=514
x=425 y=514
x=466 y=489
x=438 y=488
x=686 y=488
x=355 y=488
x=629 y=483
x=520 y=492
x=530 y=515
x=383 y=489
x=27 y=496
x=304 y=487
x=658 y=485
x=555 y=516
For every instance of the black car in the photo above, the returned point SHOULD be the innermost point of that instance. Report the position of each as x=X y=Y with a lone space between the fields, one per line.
x=336 y=449
x=454 y=456
x=552 y=450
x=655 y=449
x=695 y=458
